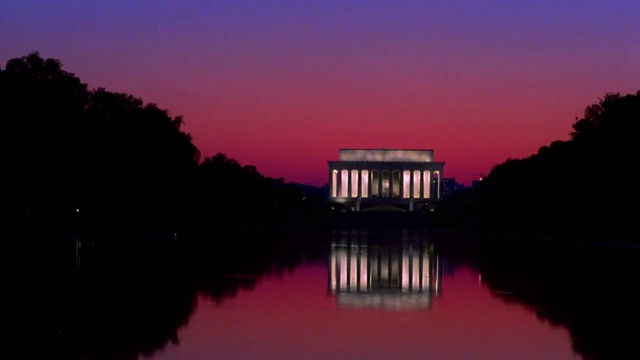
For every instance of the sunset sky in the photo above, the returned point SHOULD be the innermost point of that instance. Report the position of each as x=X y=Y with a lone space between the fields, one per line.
x=283 y=85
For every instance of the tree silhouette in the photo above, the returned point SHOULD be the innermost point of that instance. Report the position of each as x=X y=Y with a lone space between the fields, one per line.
x=137 y=161
x=227 y=192
x=68 y=151
x=576 y=187
x=79 y=160
x=41 y=108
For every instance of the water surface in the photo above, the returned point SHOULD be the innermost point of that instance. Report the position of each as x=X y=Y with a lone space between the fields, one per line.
x=375 y=294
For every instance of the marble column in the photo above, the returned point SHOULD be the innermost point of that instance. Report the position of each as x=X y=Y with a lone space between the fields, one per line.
x=411 y=189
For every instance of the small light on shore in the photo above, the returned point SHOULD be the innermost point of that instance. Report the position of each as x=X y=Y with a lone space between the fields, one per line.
x=77 y=210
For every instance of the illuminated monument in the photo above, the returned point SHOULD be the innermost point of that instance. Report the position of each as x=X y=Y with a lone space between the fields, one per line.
x=403 y=275
x=370 y=179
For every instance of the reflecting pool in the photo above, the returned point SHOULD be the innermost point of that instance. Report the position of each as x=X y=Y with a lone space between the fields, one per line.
x=371 y=294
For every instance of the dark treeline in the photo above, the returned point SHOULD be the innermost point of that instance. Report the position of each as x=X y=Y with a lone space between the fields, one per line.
x=75 y=159
x=581 y=187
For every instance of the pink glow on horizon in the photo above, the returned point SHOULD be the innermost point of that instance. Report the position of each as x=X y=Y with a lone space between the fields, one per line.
x=283 y=88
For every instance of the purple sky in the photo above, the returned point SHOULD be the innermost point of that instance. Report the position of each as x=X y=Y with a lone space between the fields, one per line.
x=283 y=85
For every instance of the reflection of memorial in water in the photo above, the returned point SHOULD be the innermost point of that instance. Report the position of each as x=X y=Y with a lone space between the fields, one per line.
x=399 y=275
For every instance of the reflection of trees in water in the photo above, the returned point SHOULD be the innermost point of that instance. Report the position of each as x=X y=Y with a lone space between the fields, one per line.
x=128 y=297
x=144 y=314
x=224 y=266
x=586 y=288
x=105 y=309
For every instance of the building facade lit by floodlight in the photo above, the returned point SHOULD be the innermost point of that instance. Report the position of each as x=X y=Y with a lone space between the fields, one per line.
x=369 y=179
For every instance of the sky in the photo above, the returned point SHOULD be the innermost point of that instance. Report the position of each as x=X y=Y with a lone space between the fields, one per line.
x=283 y=85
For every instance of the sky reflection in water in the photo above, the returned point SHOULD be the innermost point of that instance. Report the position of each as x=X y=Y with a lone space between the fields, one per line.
x=313 y=312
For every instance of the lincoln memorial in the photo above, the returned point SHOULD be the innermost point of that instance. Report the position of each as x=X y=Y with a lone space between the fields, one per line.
x=385 y=179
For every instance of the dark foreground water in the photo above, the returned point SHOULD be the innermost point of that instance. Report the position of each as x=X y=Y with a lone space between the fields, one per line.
x=321 y=294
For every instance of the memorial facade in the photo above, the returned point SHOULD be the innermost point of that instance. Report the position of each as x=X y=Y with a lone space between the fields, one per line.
x=369 y=179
